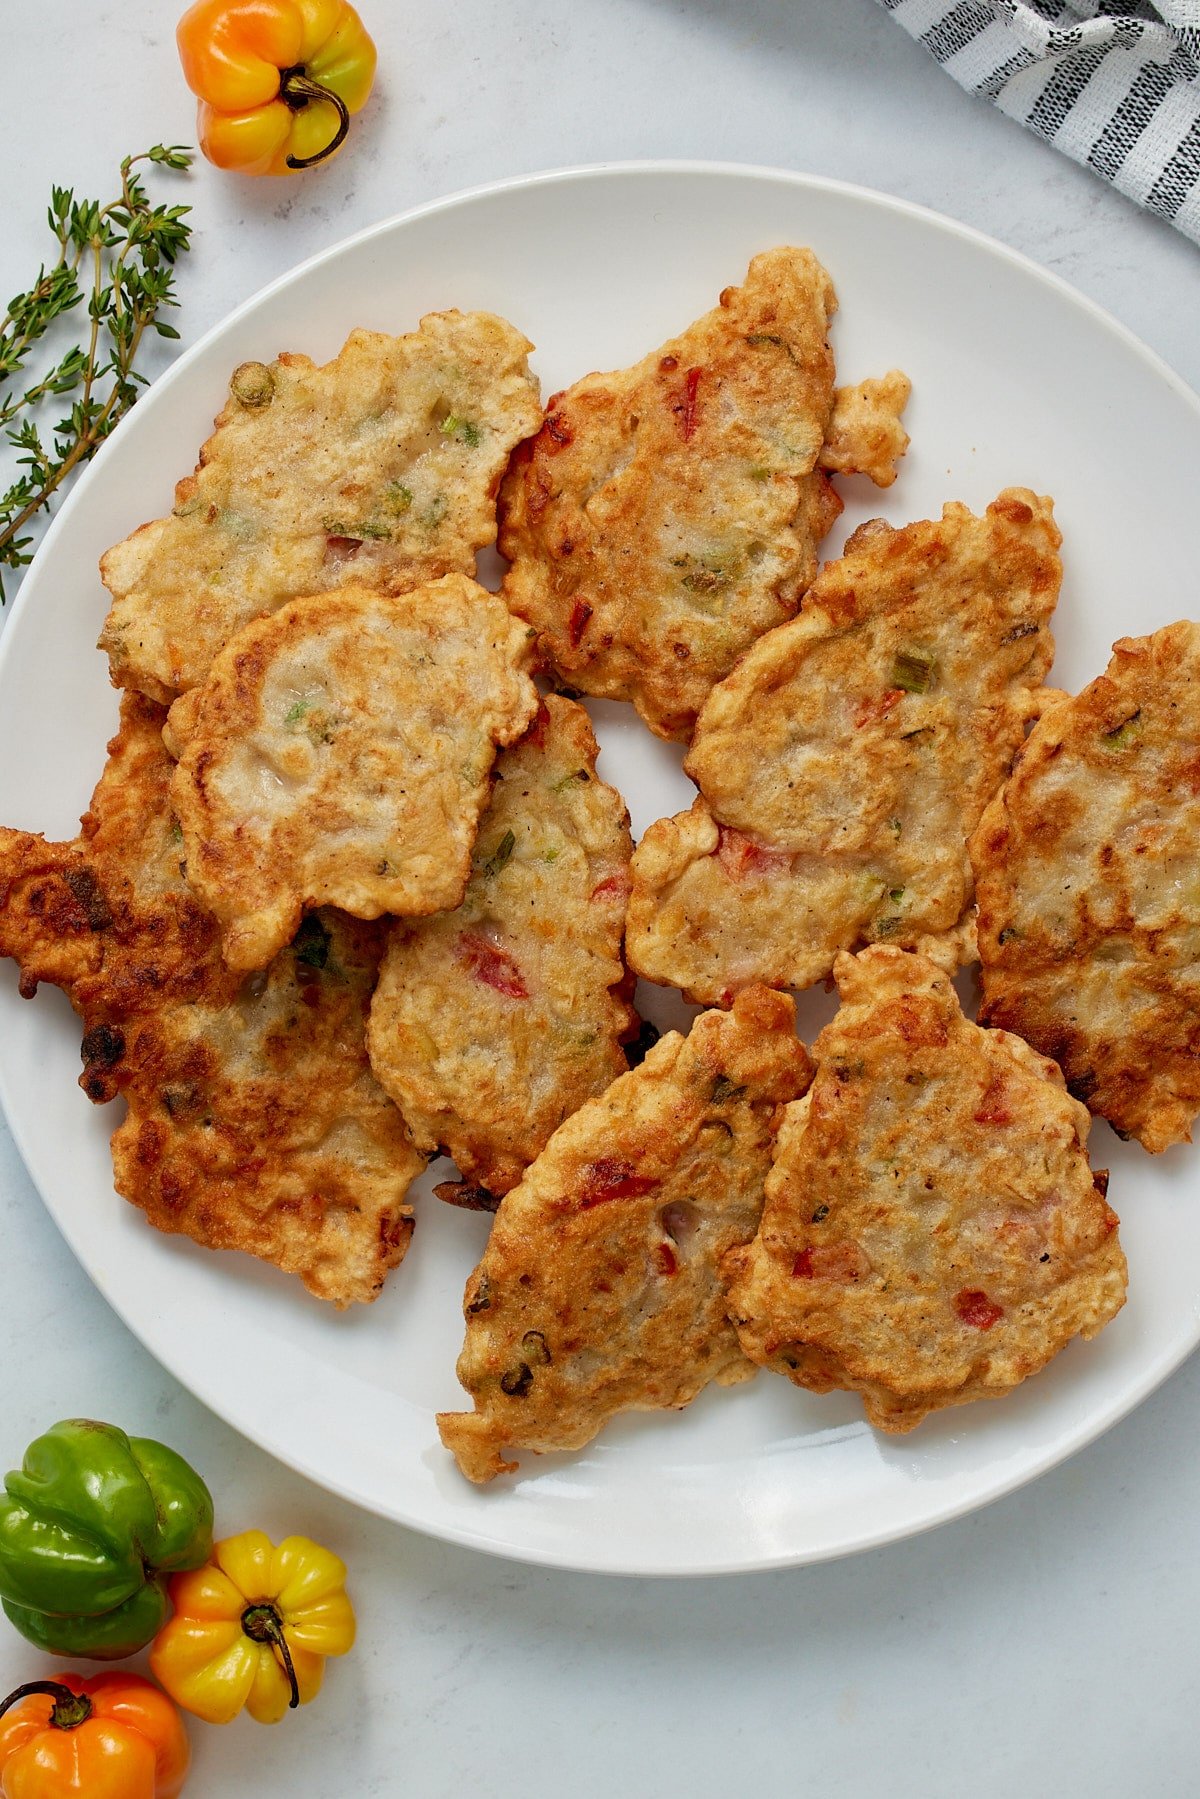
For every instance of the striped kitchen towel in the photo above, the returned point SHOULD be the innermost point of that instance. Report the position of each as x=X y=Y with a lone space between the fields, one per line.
x=1114 y=83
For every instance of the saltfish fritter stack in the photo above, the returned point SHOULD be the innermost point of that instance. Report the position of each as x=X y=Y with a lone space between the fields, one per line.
x=379 y=467
x=932 y=1232
x=1088 y=872
x=340 y=752
x=846 y=760
x=254 y=1122
x=493 y=1023
x=600 y=1290
x=666 y=515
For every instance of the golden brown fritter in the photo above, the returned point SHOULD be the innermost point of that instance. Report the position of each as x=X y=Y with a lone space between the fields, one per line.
x=600 y=1290
x=1088 y=875
x=254 y=1121
x=493 y=1023
x=340 y=753
x=108 y=917
x=379 y=467
x=666 y=515
x=864 y=435
x=932 y=1231
x=846 y=760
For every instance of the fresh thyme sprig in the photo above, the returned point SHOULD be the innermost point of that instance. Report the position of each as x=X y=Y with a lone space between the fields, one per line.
x=118 y=258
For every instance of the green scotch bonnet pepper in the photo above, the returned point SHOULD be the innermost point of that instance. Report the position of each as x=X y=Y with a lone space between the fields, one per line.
x=90 y=1528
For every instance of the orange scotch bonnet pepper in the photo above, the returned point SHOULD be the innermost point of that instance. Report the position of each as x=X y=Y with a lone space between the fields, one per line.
x=253 y=1628
x=277 y=79
x=114 y=1737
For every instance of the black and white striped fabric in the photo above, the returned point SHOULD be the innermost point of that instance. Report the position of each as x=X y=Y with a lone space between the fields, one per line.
x=1113 y=83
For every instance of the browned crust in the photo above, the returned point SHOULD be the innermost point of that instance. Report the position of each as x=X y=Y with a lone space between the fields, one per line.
x=665 y=515
x=1089 y=900
x=600 y=1290
x=253 y=1122
x=493 y=1023
x=932 y=1232
x=846 y=759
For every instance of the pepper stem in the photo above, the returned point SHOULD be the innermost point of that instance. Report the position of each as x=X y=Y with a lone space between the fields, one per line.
x=296 y=89
x=70 y=1709
x=262 y=1624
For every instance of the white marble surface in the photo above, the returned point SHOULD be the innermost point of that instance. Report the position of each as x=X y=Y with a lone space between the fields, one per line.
x=1045 y=1646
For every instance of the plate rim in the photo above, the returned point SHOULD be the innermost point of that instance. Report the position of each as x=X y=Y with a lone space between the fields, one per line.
x=479 y=1537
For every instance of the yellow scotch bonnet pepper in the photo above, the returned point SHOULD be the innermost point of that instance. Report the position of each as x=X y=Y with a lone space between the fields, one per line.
x=252 y=1629
x=277 y=79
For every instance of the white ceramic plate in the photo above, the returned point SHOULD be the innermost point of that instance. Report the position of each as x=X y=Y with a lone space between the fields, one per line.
x=1016 y=380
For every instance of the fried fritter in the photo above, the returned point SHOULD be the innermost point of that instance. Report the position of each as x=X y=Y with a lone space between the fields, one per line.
x=493 y=1023
x=254 y=1121
x=846 y=760
x=340 y=753
x=932 y=1231
x=1088 y=878
x=599 y=1291
x=380 y=467
x=864 y=435
x=666 y=515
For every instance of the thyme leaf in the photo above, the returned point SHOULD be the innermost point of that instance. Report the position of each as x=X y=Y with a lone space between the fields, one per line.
x=116 y=260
